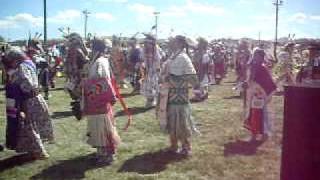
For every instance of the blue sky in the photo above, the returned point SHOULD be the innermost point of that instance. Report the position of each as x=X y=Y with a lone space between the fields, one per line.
x=207 y=18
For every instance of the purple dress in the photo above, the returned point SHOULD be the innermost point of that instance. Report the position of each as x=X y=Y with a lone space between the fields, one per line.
x=14 y=101
x=37 y=126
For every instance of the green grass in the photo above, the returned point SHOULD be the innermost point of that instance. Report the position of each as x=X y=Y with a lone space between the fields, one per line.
x=216 y=154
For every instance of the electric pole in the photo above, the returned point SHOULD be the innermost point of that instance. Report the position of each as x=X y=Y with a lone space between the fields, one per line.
x=277 y=3
x=68 y=30
x=45 y=22
x=156 y=18
x=86 y=15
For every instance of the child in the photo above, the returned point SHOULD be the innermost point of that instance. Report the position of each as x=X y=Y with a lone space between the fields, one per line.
x=44 y=76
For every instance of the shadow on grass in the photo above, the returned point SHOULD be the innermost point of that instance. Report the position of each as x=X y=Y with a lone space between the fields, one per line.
x=60 y=115
x=70 y=169
x=150 y=163
x=232 y=97
x=57 y=89
x=195 y=100
x=133 y=111
x=126 y=95
x=192 y=101
x=246 y=148
x=17 y=160
x=230 y=82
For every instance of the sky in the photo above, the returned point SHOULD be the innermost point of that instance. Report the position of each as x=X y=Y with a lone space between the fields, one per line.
x=194 y=18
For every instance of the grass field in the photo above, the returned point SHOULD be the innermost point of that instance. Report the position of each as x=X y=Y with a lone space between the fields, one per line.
x=217 y=153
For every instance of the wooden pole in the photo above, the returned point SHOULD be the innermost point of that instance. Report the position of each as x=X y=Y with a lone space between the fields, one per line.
x=45 y=22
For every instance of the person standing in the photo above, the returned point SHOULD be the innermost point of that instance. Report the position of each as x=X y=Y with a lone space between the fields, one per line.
x=74 y=69
x=243 y=56
x=118 y=62
x=174 y=109
x=219 y=60
x=26 y=107
x=286 y=64
x=202 y=60
x=44 y=78
x=151 y=62
x=259 y=94
x=135 y=61
x=102 y=133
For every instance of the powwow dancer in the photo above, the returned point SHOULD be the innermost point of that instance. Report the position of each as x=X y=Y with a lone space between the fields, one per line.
x=219 y=59
x=174 y=110
x=26 y=108
x=99 y=96
x=56 y=62
x=34 y=47
x=259 y=94
x=151 y=58
x=242 y=58
x=118 y=62
x=75 y=61
x=135 y=61
x=286 y=65
x=201 y=61
x=13 y=105
x=44 y=77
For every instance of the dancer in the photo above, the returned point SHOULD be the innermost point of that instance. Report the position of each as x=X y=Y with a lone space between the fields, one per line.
x=201 y=61
x=99 y=96
x=259 y=94
x=27 y=111
x=219 y=60
x=242 y=58
x=285 y=66
x=151 y=58
x=174 y=109
x=135 y=61
x=75 y=61
x=118 y=62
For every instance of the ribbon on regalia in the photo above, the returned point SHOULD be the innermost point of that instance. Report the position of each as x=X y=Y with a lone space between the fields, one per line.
x=117 y=56
x=161 y=110
x=122 y=102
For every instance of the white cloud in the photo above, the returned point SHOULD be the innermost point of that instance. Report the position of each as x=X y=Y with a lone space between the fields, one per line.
x=24 y=18
x=66 y=16
x=5 y=24
x=144 y=12
x=142 y=8
x=298 y=18
x=199 y=8
x=175 y=11
x=112 y=1
x=191 y=6
x=104 y=16
x=317 y=17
